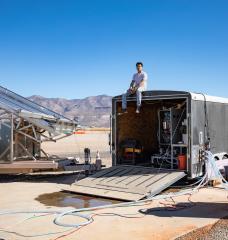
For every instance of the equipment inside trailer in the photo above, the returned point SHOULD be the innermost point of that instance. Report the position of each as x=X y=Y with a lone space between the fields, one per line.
x=156 y=137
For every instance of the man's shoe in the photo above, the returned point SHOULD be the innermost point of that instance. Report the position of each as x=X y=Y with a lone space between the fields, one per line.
x=138 y=110
x=124 y=110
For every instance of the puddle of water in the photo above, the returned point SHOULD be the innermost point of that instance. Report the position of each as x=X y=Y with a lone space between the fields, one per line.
x=66 y=199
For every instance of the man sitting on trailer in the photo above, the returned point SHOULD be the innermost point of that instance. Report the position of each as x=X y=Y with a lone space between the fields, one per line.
x=138 y=85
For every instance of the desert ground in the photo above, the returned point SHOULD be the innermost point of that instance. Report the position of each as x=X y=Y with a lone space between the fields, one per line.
x=73 y=146
x=158 y=219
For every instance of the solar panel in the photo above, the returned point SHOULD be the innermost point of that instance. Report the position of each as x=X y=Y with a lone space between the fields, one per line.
x=34 y=113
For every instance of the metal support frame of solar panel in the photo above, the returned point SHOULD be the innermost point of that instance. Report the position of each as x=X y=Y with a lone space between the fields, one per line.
x=15 y=111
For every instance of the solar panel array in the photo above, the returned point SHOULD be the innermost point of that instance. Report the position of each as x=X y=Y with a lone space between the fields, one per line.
x=34 y=113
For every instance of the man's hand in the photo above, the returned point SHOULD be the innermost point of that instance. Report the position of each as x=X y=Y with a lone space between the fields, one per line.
x=132 y=90
x=133 y=87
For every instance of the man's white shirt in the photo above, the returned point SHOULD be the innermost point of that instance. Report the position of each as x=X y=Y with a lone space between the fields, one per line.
x=138 y=77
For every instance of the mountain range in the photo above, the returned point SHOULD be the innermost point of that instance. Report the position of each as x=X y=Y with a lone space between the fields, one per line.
x=91 y=111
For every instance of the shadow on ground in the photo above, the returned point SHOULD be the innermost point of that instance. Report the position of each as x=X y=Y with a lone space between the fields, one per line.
x=198 y=210
x=59 y=178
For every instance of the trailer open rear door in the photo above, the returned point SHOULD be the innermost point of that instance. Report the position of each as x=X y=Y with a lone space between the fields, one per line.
x=127 y=182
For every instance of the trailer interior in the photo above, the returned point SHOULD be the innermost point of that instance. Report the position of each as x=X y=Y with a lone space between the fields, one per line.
x=156 y=137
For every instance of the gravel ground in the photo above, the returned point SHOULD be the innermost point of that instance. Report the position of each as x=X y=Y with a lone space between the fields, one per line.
x=218 y=231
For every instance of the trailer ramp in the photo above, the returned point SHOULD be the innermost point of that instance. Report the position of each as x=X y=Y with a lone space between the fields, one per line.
x=127 y=182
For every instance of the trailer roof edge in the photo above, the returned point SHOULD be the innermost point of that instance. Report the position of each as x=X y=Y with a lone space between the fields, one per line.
x=192 y=95
x=201 y=97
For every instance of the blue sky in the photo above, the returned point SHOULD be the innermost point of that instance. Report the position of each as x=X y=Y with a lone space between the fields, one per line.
x=74 y=49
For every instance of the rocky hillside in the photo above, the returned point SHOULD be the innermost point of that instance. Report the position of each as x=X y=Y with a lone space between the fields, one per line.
x=90 y=111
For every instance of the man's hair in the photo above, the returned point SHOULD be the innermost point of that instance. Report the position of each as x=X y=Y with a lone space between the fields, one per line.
x=139 y=63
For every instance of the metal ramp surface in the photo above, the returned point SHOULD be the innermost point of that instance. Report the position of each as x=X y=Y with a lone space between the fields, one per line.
x=127 y=182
